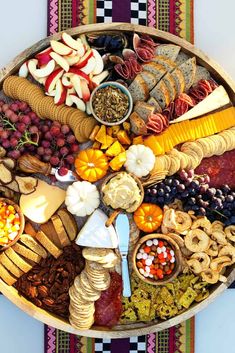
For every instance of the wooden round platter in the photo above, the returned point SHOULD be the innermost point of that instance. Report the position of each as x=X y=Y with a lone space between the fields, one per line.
x=120 y=331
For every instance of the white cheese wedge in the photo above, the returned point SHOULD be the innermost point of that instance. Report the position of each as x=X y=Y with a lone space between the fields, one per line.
x=42 y=203
x=216 y=100
x=95 y=234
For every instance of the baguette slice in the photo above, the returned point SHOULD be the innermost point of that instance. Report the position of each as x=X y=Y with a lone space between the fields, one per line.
x=69 y=223
x=49 y=229
x=138 y=126
x=201 y=74
x=6 y=276
x=60 y=230
x=139 y=89
x=161 y=93
x=156 y=69
x=188 y=69
x=48 y=244
x=181 y=58
x=24 y=265
x=143 y=110
x=170 y=51
x=152 y=101
x=168 y=64
x=10 y=266
x=178 y=77
x=170 y=83
x=149 y=79
x=33 y=245
x=27 y=253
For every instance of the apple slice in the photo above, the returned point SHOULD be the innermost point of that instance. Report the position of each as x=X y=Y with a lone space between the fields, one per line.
x=68 y=100
x=60 y=93
x=41 y=80
x=72 y=60
x=89 y=67
x=46 y=70
x=99 y=62
x=78 y=72
x=51 y=94
x=88 y=108
x=43 y=57
x=69 y=41
x=83 y=40
x=84 y=59
x=97 y=79
x=85 y=91
x=76 y=81
x=52 y=79
x=24 y=71
x=66 y=80
x=60 y=48
x=60 y=61
x=32 y=67
x=79 y=103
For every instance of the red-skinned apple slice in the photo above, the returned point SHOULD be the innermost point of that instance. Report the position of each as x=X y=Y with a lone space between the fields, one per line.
x=52 y=79
x=81 y=48
x=66 y=80
x=82 y=39
x=46 y=70
x=60 y=93
x=43 y=57
x=85 y=91
x=97 y=79
x=51 y=94
x=79 y=103
x=69 y=41
x=72 y=60
x=76 y=81
x=88 y=108
x=60 y=48
x=24 y=71
x=68 y=100
x=32 y=66
x=78 y=72
x=99 y=67
x=84 y=59
x=60 y=61
x=89 y=67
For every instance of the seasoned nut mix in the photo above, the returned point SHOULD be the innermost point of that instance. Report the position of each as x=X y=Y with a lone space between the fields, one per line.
x=110 y=104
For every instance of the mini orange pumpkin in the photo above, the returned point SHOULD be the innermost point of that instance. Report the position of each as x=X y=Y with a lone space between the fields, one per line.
x=91 y=164
x=148 y=217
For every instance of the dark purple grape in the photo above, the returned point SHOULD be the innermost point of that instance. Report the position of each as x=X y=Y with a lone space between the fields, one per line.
x=148 y=191
x=225 y=188
x=180 y=187
x=153 y=192
x=202 y=211
x=176 y=182
x=161 y=192
x=229 y=198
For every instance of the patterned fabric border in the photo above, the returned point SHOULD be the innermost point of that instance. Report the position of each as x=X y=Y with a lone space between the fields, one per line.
x=177 y=339
x=174 y=16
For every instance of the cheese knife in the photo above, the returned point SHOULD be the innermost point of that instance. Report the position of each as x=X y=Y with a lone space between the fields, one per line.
x=123 y=233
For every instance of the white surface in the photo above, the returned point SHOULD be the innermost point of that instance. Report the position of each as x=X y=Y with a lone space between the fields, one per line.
x=23 y=25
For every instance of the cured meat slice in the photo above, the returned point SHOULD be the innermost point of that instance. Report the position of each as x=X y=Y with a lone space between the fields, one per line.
x=108 y=307
x=157 y=123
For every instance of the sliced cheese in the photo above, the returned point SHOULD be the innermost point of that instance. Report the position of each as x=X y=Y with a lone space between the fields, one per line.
x=42 y=203
x=216 y=100
x=95 y=234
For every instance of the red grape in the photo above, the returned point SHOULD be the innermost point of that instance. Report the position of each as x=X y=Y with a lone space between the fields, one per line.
x=71 y=138
x=48 y=152
x=5 y=107
x=45 y=143
x=60 y=142
x=64 y=151
x=46 y=158
x=13 y=142
x=70 y=159
x=45 y=128
x=17 y=134
x=9 y=113
x=25 y=119
x=65 y=129
x=14 y=118
x=54 y=160
x=14 y=107
x=74 y=148
x=23 y=106
x=15 y=154
x=57 y=123
x=21 y=127
x=6 y=143
x=48 y=136
x=1 y=103
x=40 y=151
x=62 y=171
x=55 y=130
x=33 y=129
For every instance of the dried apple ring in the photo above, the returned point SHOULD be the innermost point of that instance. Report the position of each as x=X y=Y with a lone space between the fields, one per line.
x=220 y=262
x=183 y=222
x=203 y=223
x=228 y=250
x=230 y=233
x=222 y=279
x=195 y=266
x=217 y=225
x=203 y=258
x=197 y=240
x=169 y=219
x=210 y=276
x=213 y=249
x=219 y=237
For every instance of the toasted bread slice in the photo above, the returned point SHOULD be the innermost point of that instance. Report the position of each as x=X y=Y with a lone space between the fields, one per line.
x=10 y=266
x=156 y=69
x=161 y=93
x=18 y=260
x=170 y=83
x=152 y=101
x=178 y=77
x=27 y=253
x=69 y=223
x=139 y=89
x=169 y=51
x=201 y=74
x=181 y=58
x=48 y=244
x=144 y=110
x=60 y=230
x=29 y=229
x=33 y=245
x=149 y=79
x=49 y=229
x=6 y=276
x=168 y=64
x=138 y=126
x=188 y=69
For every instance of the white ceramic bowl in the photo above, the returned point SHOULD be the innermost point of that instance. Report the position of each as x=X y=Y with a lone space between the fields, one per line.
x=124 y=90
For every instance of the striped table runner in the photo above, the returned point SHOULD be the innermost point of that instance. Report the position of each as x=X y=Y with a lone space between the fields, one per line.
x=175 y=16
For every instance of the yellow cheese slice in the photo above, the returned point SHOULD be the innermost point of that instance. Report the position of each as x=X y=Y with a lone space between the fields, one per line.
x=42 y=203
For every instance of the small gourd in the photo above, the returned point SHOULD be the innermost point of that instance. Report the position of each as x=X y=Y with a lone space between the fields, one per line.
x=82 y=198
x=91 y=164
x=148 y=217
x=140 y=160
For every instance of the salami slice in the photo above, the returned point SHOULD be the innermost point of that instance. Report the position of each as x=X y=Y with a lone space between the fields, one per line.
x=144 y=54
x=122 y=70
x=136 y=67
x=156 y=123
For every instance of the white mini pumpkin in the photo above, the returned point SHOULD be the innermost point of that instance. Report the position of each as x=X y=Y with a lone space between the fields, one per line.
x=140 y=160
x=82 y=198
